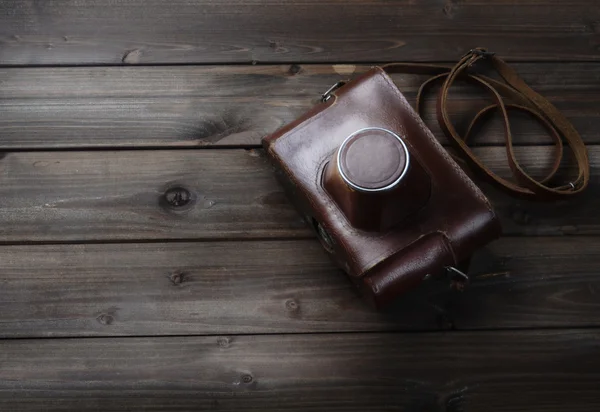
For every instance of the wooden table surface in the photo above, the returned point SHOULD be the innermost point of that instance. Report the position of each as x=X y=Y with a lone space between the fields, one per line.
x=113 y=299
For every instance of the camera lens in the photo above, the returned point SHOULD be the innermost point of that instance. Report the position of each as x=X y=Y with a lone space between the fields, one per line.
x=373 y=159
x=374 y=180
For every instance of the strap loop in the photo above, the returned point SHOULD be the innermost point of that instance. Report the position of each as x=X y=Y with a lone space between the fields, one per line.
x=525 y=100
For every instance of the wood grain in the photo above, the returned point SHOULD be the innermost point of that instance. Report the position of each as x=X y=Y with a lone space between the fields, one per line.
x=74 y=196
x=224 y=106
x=137 y=276
x=281 y=287
x=508 y=371
x=120 y=195
x=204 y=31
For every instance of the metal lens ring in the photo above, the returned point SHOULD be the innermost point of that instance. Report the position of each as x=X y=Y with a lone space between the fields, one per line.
x=367 y=189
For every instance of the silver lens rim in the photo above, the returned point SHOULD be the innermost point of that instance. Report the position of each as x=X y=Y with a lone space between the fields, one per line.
x=379 y=189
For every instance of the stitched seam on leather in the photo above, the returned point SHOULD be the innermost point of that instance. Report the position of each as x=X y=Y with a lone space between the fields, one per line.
x=343 y=219
x=384 y=256
x=442 y=150
x=369 y=281
x=378 y=260
x=305 y=122
x=448 y=245
x=306 y=193
x=445 y=242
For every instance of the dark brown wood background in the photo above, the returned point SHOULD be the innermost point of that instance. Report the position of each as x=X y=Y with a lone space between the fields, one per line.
x=112 y=301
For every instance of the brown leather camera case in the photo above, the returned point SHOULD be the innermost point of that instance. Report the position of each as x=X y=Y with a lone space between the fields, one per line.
x=441 y=219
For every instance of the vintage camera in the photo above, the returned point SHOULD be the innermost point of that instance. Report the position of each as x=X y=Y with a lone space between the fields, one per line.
x=386 y=200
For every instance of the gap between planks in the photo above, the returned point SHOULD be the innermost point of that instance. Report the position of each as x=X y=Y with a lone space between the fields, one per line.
x=192 y=107
x=272 y=287
x=99 y=196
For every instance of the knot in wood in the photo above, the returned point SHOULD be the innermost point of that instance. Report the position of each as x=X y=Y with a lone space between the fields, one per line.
x=224 y=342
x=105 y=319
x=291 y=305
x=177 y=277
x=294 y=69
x=247 y=378
x=177 y=197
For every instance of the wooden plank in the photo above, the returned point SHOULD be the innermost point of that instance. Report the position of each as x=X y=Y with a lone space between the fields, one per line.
x=530 y=282
x=74 y=196
x=189 y=106
x=549 y=371
x=97 y=196
x=182 y=288
x=205 y=31
x=281 y=287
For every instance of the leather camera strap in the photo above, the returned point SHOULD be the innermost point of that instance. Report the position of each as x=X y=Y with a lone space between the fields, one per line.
x=523 y=99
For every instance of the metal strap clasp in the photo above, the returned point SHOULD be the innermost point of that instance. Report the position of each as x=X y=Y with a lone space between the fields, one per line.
x=458 y=278
x=327 y=95
x=480 y=52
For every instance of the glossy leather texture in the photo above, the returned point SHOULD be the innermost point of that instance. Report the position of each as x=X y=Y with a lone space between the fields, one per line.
x=376 y=183
x=441 y=219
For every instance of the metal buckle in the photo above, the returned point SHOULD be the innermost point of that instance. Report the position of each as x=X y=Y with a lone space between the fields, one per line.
x=458 y=279
x=327 y=95
x=483 y=53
